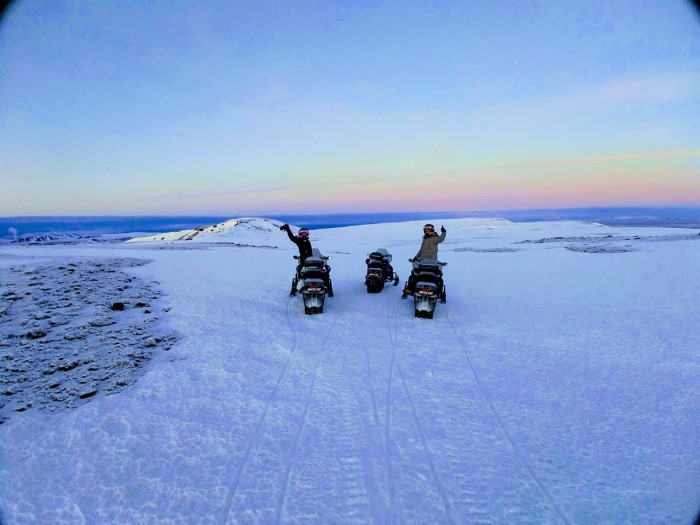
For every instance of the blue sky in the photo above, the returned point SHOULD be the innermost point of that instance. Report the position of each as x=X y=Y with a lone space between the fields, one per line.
x=271 y=107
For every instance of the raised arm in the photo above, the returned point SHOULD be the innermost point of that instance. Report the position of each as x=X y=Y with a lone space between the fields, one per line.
x=441 y=237
x=287 y=229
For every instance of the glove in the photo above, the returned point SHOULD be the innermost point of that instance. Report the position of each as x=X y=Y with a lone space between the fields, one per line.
x=284 y=227
x=410 y=260
x=442 y=229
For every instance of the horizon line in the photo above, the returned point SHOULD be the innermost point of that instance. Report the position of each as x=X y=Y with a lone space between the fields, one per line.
x=411 y=212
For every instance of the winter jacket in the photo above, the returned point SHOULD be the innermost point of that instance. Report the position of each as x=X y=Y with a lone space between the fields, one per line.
x=303 y=244
x=429 y=246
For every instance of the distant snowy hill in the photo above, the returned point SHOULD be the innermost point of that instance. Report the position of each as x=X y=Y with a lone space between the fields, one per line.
x=54 y=238
x=247 y=231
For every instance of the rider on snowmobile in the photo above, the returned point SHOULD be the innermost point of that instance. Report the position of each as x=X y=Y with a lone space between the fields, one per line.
x=428 y=250
x=305 y=250
x=302 y=241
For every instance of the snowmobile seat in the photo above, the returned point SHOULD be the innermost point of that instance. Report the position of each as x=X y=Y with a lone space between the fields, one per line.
x=375 y=263
x=313 y=272
x=429 y=265
x=381 y=254
x=316 y=262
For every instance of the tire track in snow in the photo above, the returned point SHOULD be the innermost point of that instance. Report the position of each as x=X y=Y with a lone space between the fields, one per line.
x=504 y=429
x=307 y=403
x=256 y=434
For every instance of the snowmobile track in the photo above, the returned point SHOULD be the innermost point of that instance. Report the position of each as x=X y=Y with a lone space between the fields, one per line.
x=516 y=447
x=368 y=365
x=279 y=510
x=375 y=409
x=255 y=436
x=426 y=447
x=394 y=337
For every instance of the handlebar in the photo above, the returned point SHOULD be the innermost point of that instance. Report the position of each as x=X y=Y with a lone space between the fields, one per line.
x=324 y=257
x=439 y=262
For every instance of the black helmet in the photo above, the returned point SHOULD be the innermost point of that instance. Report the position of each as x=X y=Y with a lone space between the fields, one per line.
x=429 y=227
x=304 y=232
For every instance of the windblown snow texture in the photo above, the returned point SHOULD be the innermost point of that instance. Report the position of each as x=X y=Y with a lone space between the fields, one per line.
x=558 y=384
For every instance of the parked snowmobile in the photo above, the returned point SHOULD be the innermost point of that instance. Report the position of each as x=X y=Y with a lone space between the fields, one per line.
x=379 y=271
x=429 y=287
x=313 y=282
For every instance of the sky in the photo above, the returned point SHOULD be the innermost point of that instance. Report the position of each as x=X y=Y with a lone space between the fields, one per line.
x=231 y=108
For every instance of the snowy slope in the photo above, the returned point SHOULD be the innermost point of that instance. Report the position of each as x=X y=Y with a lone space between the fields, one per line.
x=248 y=231
x=557 y=385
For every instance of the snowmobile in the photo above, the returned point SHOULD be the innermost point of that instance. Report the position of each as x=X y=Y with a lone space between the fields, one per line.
x=313 y=281
x=379 y=271
x=429 y=287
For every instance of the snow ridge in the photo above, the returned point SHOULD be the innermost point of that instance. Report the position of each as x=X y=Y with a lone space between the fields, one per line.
x=246 y=231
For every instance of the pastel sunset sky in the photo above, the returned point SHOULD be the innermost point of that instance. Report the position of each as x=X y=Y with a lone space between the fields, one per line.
x=119 y=107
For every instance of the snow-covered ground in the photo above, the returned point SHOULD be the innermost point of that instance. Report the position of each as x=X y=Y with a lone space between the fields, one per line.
x=558 y=384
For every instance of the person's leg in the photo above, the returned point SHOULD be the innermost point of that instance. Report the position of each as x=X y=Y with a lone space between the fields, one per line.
x=411 y=282
x=410 y=286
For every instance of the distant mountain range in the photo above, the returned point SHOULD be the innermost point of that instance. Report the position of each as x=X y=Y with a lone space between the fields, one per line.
x=69 y=230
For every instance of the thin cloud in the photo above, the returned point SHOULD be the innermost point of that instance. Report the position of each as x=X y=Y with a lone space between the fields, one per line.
x=611 y=158
x=229 y=193
x=652 y=88
x=564 y=162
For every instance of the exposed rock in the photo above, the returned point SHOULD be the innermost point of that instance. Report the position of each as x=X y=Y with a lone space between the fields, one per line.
x=65 y=339
x=68 y=366
x=102 y=321
x=35 y=334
